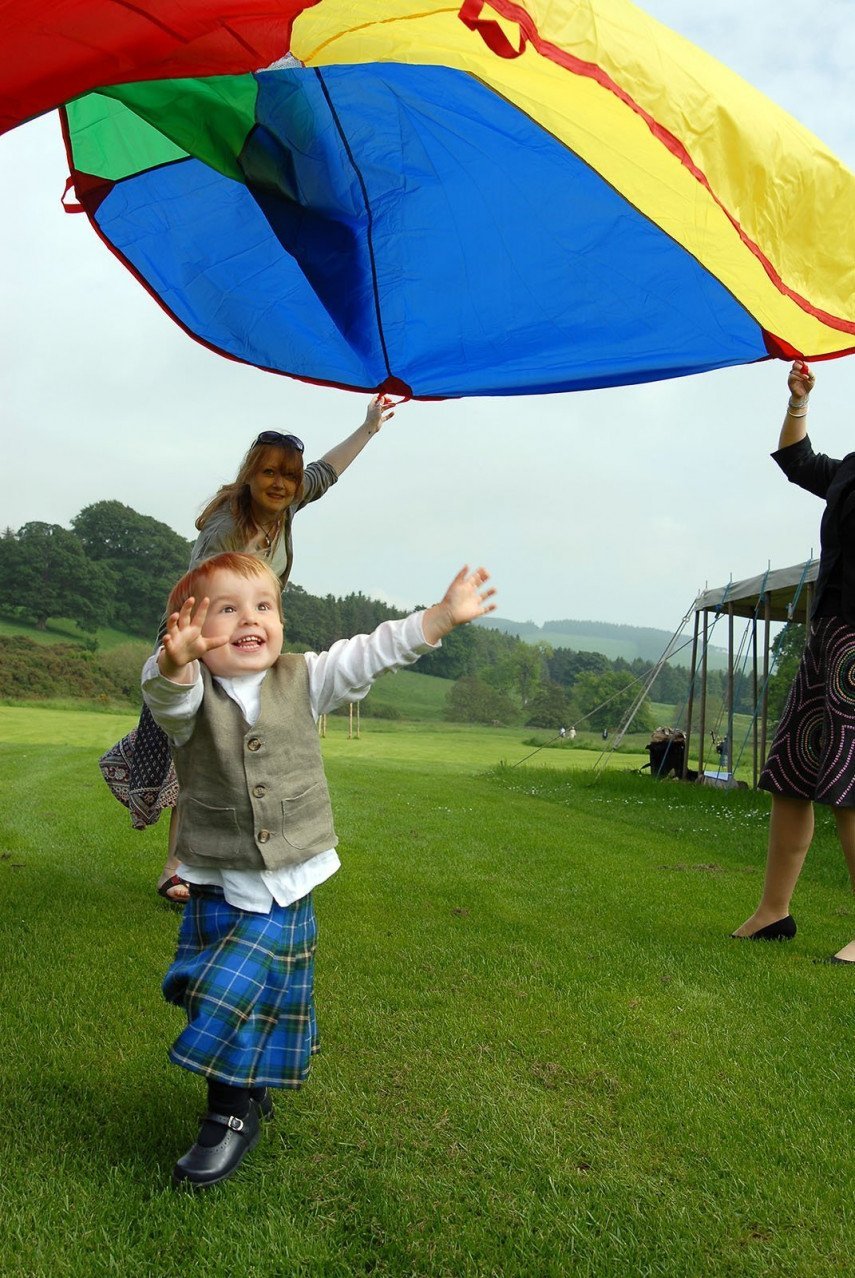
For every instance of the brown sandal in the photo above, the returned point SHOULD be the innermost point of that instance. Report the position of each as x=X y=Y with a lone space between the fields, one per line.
x=168 y=884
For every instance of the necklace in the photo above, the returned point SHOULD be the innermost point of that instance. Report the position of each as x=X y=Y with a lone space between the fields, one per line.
x=270 y=534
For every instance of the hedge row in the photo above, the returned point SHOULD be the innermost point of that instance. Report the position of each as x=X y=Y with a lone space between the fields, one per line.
x=34 y=671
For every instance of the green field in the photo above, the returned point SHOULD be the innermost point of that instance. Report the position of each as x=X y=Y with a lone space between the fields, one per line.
x=542 y=1054
x=409 y=695
x=413 y=695
x=63 y=631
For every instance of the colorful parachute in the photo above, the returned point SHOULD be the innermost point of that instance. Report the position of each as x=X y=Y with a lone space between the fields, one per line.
x=53 y=50
x=496 y=199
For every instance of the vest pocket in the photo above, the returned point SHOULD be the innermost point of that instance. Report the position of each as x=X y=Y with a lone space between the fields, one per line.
x=212 y=832
x=307 y=820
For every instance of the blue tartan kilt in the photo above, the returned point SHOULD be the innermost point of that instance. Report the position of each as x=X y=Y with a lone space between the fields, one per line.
x=245 y=981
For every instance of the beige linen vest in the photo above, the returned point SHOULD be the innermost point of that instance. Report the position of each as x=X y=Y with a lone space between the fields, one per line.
x=254 y=798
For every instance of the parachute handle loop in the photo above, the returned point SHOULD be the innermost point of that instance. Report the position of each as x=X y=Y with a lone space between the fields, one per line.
x=489 y=30
x=395 y=391
x=70 y=207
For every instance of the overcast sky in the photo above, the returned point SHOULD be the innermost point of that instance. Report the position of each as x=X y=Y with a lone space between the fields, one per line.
x=614 y=505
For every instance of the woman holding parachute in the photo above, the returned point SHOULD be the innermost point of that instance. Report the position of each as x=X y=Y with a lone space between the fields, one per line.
x=254 y=513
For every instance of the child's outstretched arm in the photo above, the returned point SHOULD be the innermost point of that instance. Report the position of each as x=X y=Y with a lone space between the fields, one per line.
x=347 y=670
x=463 y=601
x=184 y=643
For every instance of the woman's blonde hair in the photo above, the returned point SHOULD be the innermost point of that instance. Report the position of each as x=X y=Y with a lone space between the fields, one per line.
x=236 y=496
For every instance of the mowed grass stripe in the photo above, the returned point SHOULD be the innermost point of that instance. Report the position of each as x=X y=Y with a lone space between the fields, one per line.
x=542 y=1054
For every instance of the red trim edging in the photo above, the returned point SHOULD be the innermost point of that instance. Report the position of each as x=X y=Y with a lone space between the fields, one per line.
x=496 y=40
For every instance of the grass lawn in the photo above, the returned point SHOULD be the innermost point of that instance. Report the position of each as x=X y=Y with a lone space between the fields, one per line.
x=413 y=695
x=543 y=1056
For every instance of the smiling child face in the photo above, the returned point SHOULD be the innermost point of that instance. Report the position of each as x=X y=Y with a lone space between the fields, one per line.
x=246 y=611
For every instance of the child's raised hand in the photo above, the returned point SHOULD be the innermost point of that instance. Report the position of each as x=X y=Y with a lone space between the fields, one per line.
x=463 y=601
x=183 y=642
x=465 y=598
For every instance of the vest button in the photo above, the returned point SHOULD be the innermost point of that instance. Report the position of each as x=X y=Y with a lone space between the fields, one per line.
x=259 y=791
x=253 y=744
x=263 y=836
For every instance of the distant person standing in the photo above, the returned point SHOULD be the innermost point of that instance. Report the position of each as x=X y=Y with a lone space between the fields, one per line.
x=812 y=759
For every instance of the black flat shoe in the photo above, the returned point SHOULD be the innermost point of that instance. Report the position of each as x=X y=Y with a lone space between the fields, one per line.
x=205 y=1165
x=781 y=930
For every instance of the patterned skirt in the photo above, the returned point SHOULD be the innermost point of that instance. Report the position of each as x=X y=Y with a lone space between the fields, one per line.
x=813 y=754
x=245 y=981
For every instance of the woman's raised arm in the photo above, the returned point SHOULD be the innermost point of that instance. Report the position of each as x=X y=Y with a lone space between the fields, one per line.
x=800 y=382
x=380 y=411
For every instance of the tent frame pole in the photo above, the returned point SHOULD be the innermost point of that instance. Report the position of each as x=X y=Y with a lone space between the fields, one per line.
x=764 y=715
x=702 y=727
x=691 y=704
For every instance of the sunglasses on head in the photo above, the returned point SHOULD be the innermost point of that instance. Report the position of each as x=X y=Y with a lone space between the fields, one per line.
x=274 y=437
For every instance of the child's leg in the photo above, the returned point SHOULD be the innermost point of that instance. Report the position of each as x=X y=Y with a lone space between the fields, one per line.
x=245 y=981
x=177 y=892
x=223 y=1098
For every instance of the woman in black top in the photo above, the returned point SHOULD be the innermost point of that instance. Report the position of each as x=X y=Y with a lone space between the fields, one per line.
x=812 y=759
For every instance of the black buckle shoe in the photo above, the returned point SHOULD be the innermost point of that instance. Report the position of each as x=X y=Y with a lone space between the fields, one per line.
x=205 y=1165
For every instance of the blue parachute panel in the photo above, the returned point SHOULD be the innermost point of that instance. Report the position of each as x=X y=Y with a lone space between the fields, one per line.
x=406 y=222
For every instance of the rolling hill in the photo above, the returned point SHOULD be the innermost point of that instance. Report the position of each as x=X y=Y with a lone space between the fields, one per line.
x=609 y=638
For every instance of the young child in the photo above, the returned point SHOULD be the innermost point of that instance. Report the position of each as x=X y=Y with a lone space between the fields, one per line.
x=255 y=827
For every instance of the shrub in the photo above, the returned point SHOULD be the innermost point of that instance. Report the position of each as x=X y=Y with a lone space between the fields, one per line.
x=124 y=665
x=30 y=670
x=549 y=708
x=471 y=700
x=371 y=711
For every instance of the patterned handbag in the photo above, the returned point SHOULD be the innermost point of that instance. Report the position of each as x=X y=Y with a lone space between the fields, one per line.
x=139 y=772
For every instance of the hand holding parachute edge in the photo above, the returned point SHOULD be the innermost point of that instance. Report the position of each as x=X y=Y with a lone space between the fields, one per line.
x=800 y=380
x=380 y=410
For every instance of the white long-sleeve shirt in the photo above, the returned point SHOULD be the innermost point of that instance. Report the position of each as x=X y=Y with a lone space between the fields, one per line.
x=344 y=673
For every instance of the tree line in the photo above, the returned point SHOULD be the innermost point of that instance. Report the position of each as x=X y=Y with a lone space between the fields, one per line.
x=114 y=568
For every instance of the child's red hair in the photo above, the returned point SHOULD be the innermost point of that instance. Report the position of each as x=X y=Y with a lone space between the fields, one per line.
x=196 y=582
